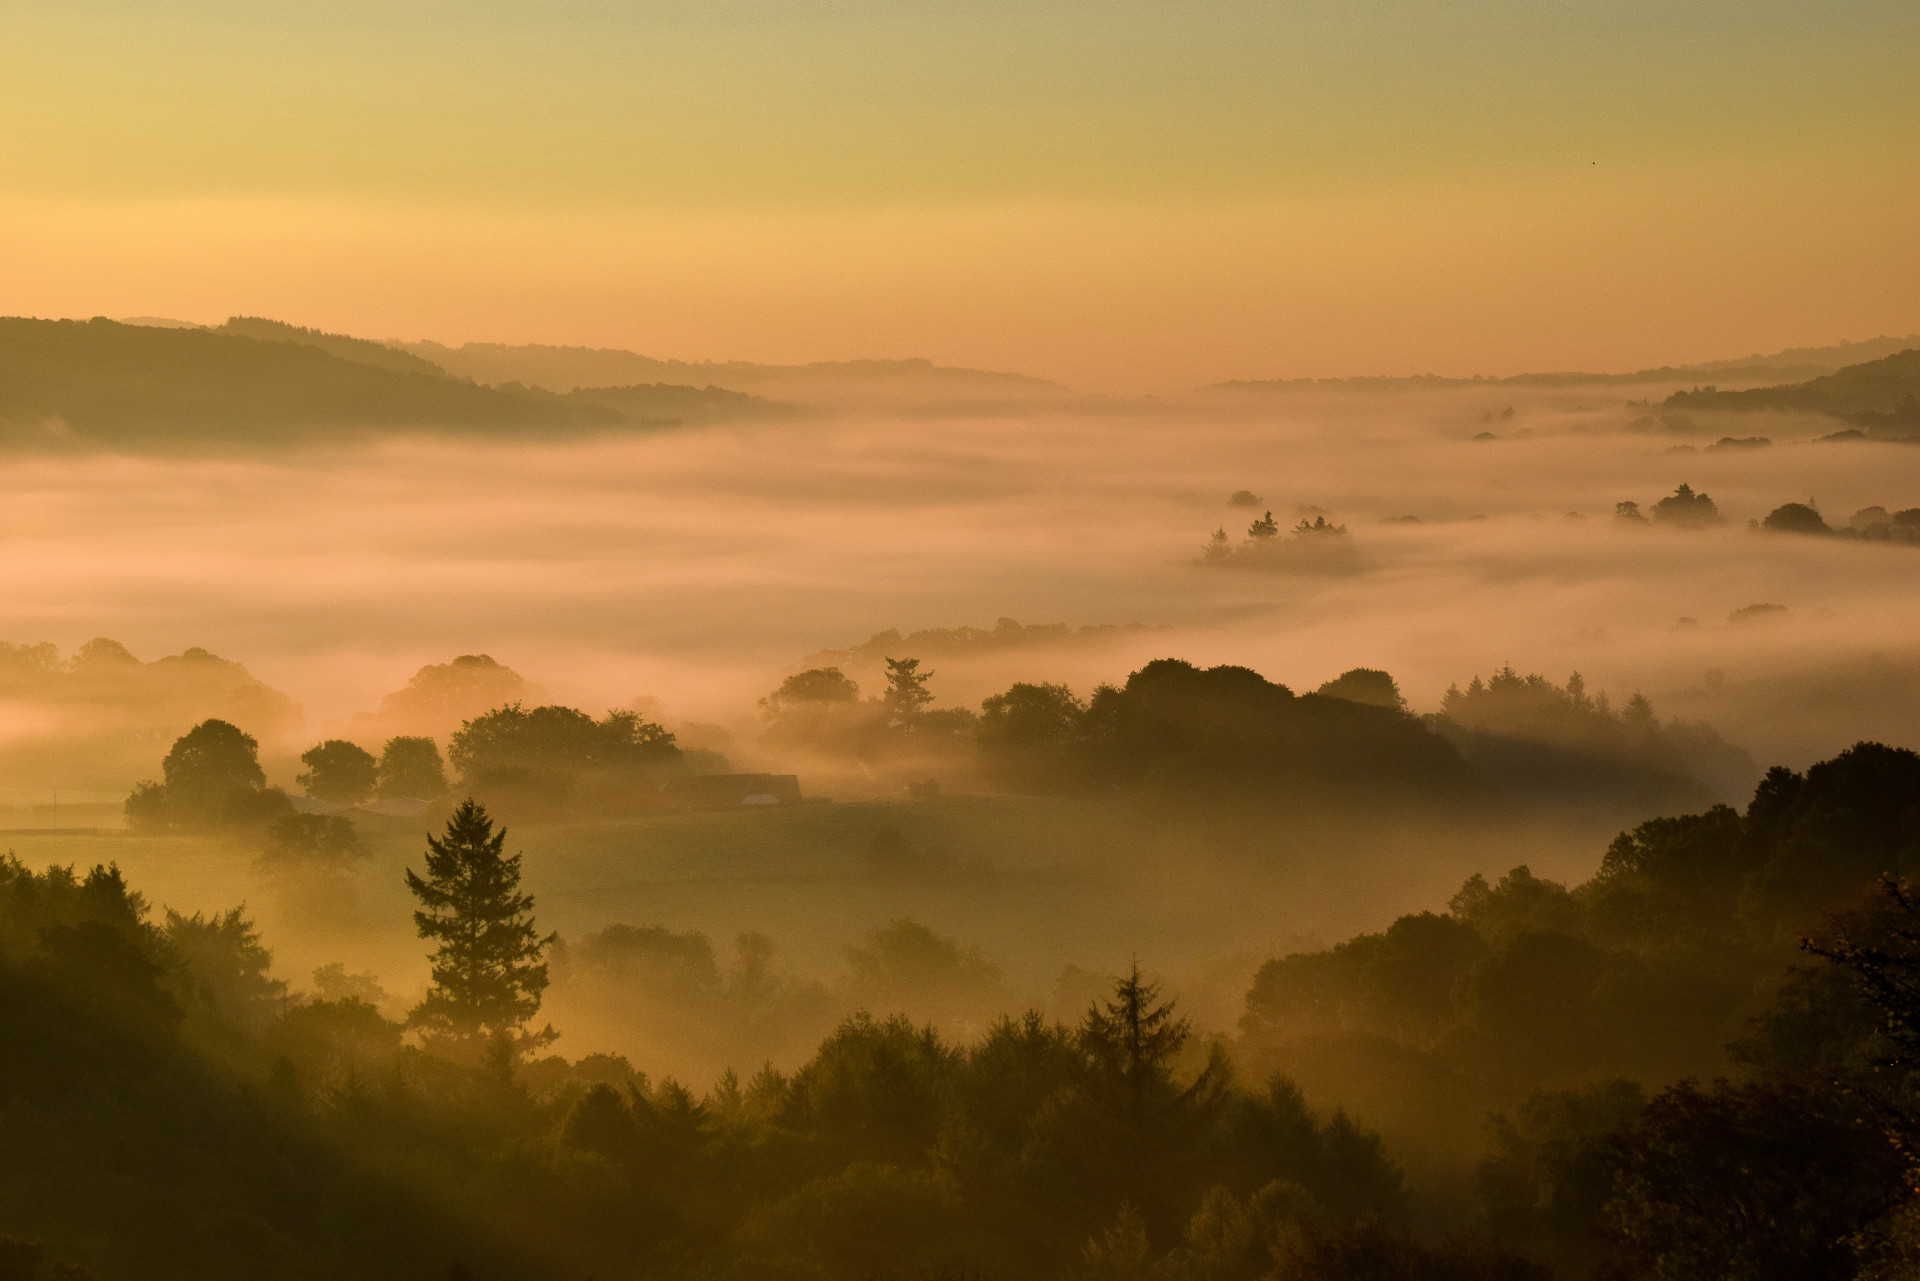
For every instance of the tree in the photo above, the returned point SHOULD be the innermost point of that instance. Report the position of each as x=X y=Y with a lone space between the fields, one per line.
x=1035 y=716
x=541 y=761
x=816 y=685
x=206 y=767
x=820 y=709
x=1130 y=1041
x=907 y=693
x=146 y=808
x=1795 y=518
x=488 y=966
x=227 y=966
x=1687 y=510
x=1365 y=685
x=1265 y=527
x=561 y=739
x=338 y=771
x=411 y=766
x=1133 y=1132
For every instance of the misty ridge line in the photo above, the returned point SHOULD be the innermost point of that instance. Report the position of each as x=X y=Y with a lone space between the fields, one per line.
x=252 y=382
x=565 y=368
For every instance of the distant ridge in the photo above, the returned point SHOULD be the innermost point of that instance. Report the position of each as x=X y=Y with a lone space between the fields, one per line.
x=565 y=369
x=361 y=350
x=161 y=322
x=1882 y=393
x=1790 y=364
x=101 y=382
x=257 y=381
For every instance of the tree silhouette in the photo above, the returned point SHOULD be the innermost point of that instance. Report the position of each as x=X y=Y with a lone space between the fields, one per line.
x=907 y=693
x=411 y=766
x=488 y=966
x=206 y=766
x=1687 y=509
x=338 y=771
x=1133 y=1037
x=816 y=685
x=1795 y=518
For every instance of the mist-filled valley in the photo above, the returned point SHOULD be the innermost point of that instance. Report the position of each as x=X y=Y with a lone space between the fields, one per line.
x=883 y=747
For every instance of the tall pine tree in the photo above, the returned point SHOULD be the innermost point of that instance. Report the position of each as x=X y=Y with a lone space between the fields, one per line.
x=488 y=967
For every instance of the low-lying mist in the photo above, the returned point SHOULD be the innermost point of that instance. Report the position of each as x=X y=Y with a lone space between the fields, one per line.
x=698 y=567
x=1595 y=615
x=687 y=572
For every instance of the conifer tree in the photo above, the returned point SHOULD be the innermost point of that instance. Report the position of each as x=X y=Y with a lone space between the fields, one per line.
x=1130 y=1045
x=488 y=966
x=907 y=693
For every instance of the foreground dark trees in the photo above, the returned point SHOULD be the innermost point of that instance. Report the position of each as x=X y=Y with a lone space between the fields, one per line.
x=167 y=1109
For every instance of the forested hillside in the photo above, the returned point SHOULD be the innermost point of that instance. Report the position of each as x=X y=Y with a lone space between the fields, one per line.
x=262 y=382
x=96 y=382
x=170 y=1110
x=1877 y=393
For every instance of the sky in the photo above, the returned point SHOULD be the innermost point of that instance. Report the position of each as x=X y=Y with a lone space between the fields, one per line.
x=1127 y=196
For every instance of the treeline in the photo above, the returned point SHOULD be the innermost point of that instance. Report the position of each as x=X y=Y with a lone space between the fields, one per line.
x=1225 y=740
x=1174 y=739
x=539 y=763
x=1547 y=742
x=1687 y=509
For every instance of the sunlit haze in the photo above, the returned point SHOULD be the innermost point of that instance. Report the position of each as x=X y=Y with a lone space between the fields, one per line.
x=1125 y=197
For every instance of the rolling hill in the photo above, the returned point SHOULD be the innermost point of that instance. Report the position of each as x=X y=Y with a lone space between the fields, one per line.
x=253 y=381
x=565 y=369
x=101 y=382
x=1794 y=362
x=1882 y=393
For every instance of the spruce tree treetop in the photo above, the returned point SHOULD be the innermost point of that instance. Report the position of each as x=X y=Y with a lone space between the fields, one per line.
x=907 y=693
x=488 y=965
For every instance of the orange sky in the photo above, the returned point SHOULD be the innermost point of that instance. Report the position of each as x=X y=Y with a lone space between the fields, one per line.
x=1125 y=197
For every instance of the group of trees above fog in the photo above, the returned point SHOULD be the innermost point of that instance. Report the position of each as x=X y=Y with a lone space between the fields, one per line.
x=1686 y=509
x=212 y=780
x=541 y=762
x=1223 y=739
x=220 y=1124
x=1172 y=738
x=1313 y=545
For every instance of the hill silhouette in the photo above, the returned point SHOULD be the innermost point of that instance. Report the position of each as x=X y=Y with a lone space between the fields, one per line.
x=566 y=369
x=362 y=351
x=1794 y=362
x=1876 y=393
x=255 y=381
x=100 y=382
